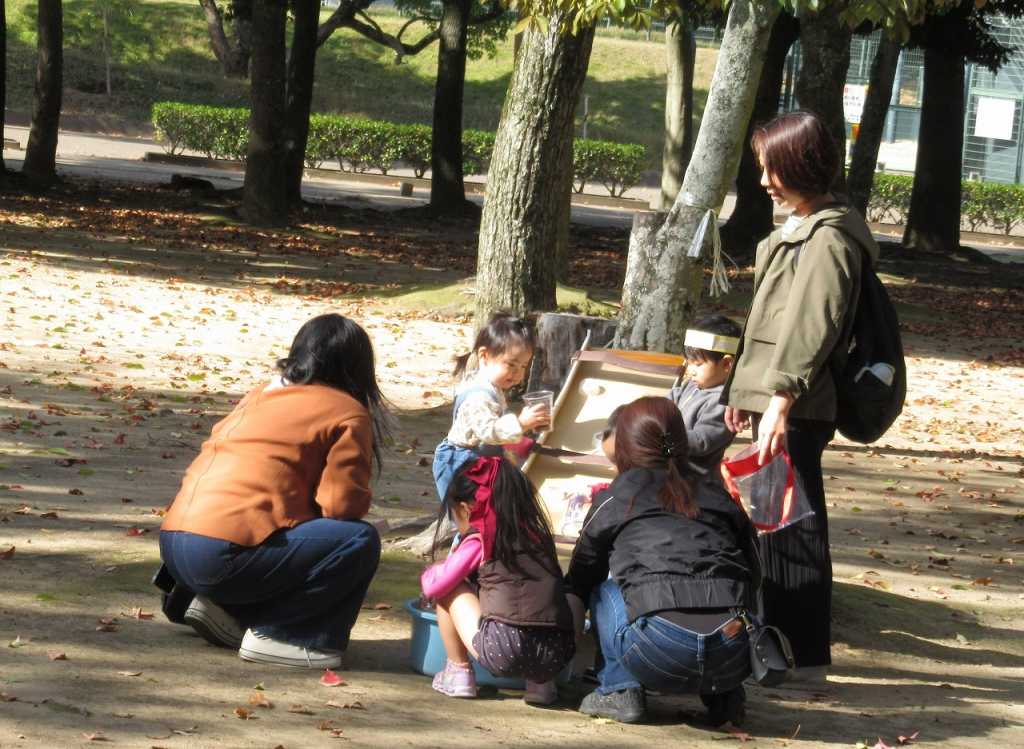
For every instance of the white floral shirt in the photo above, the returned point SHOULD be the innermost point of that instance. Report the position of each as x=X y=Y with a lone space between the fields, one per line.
x=483 y=418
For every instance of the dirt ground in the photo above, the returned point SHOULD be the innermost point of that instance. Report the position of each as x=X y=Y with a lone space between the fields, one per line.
x=129 y=331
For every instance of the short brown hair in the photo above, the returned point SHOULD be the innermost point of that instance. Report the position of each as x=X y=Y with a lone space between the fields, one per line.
x=798 y=152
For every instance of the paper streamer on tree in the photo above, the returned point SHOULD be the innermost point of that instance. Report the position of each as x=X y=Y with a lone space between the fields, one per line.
x=719 y=279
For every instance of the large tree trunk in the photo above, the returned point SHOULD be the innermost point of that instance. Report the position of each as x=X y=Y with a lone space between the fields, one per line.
x=447 y=190
x=753 y=216
x=933 y=222
x=233 y=55
x=872 y=122
x=524 y=230
x=826 y=59
x=662 y=286
x=264 y=194
x=41 y=151
x=680 y=53
x=301 y=68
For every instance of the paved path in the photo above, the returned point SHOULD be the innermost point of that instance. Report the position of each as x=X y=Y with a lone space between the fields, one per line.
x=122 y=159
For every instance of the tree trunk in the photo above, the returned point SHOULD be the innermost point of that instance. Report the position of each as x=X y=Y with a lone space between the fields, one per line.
x=933 y=222
x=558 y=336
x=753 y=216
x=264 y=193
x=41 y=151
x=826 y=59
x=106 y=49
x=447 y=190
x=524 y=230
x=233 y=55
x=662 y=287
x=680 y=53
x=3 y=82
x=872 y=122
x=301 y=68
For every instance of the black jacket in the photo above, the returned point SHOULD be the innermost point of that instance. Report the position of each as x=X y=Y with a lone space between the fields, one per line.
x=662 y=560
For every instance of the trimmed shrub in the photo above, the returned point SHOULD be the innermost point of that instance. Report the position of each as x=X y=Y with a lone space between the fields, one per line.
x=618 y=166
x=358 y=145
x=890 y=199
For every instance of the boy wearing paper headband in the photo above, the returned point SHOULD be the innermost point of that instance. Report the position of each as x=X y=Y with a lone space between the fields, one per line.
x=710 y=346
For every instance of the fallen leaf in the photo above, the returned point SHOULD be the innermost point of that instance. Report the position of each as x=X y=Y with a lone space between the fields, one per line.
x=300 y=709
x=331 y=679
x=98 y=736
x=242 y=713
x=325 y=725
x=76 y=492
x=259 y=700
x=908 y=739
x=8 y=553
x=350 y=705
x=58 y=657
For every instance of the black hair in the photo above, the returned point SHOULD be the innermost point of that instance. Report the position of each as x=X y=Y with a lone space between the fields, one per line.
x=333 y=350
x=612 y=423
x=500 y=333
x=716 y=325
x=522 y=522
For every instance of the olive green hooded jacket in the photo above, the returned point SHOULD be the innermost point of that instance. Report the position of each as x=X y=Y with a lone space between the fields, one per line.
x=805 y=292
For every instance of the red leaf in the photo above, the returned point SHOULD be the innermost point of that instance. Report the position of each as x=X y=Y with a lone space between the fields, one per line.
x=908 y=739
x=76 y=492
x=331 y=679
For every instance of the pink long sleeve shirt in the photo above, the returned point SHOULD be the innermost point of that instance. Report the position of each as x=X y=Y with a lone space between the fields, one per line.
x=440 y=579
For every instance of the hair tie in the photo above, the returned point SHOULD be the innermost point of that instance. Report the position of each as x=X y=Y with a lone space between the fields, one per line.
x=482 y=515
x=668 y=447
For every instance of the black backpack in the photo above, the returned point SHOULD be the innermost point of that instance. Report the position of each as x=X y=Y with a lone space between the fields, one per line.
x=866 y=406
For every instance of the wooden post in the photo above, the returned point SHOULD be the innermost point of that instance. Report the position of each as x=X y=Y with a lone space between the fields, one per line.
x=559 y=336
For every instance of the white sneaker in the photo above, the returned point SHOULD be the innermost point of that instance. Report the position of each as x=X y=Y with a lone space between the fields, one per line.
x=259 y=649
x=214 y=624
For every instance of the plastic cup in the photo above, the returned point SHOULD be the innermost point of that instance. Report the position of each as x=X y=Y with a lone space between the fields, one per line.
x=545 y=398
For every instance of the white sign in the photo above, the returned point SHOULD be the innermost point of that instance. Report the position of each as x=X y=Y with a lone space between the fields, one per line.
x=853 y=102
x=995 y=118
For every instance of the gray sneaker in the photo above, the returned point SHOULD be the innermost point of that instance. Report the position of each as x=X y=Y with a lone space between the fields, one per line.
x=627 y=706
x=261 y=649
x=213 y=623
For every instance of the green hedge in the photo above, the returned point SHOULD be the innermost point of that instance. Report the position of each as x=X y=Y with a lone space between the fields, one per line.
x=359 y=145
x=982 y=204
x=617 y=166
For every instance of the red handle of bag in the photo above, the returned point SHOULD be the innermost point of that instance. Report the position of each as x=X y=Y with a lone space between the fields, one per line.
x=749 y=465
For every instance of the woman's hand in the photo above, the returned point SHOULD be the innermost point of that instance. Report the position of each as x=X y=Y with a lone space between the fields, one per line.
x=771 y=431
x=535 y=416
x=736 y=420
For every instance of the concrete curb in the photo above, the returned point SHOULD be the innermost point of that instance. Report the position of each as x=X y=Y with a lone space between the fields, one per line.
x=392 y=180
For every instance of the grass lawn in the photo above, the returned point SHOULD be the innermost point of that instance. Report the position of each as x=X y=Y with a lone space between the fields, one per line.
x=161 y=52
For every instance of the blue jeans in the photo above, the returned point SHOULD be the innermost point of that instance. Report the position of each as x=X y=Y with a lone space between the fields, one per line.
x=302 y=585
x=662 y=656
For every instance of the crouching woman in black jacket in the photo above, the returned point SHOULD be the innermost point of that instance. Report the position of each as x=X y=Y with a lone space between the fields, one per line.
x=683 y=559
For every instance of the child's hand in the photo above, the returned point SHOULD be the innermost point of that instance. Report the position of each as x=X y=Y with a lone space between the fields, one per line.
x=535 y=416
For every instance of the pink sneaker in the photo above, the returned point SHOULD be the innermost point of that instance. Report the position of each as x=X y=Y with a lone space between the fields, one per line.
x=540 y=692
x=456 y=681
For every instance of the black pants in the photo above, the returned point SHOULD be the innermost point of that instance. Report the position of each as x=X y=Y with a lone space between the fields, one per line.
x=796 y=595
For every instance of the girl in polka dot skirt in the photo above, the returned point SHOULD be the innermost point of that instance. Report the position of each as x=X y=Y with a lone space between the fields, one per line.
x=499 y=594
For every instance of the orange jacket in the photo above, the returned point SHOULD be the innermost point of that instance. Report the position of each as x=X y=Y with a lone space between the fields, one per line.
x=282 y=457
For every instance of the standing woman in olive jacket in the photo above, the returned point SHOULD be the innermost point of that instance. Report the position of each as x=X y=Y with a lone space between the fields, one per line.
x=683 y=559
x=806 y=283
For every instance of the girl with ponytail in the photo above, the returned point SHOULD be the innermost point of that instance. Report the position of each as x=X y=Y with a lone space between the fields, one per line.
x=683 y=563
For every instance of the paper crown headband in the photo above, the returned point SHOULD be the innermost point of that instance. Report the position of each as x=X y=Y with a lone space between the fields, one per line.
x=710 y=342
